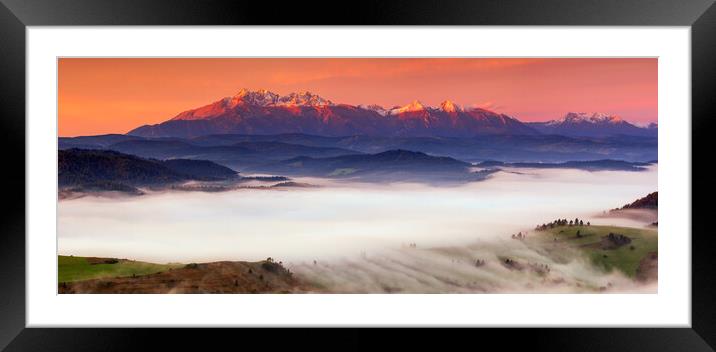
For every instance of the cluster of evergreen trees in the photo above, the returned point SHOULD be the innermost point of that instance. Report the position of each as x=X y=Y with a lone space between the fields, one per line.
x=561 y=222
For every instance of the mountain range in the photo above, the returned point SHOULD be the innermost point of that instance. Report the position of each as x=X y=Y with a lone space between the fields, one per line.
x=592 y=125
x=303 y=134
x=265 y=113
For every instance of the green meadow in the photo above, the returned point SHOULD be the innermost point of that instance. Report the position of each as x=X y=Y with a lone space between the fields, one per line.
x=624 y=258
x=71 y=268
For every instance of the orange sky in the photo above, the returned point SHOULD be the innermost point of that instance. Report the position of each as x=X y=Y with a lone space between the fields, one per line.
x=98 y=96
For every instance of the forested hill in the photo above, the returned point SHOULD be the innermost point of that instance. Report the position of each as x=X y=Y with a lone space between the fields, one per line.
x=651 y=201
x=80 y=167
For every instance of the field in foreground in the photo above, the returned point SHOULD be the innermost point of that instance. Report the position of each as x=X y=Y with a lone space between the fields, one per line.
x=71 y=268
x=104 y=275
x=541 y=261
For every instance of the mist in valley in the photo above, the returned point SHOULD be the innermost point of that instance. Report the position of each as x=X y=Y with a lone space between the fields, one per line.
x=360 y=237
x=456 y=270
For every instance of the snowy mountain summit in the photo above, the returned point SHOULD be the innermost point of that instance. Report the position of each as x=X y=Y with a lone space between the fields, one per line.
x=580 y=124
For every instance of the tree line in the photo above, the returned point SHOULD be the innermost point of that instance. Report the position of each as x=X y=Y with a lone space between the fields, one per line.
x=562 y=222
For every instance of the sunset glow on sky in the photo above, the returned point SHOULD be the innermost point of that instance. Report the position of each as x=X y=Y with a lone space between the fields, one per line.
x=98 y=96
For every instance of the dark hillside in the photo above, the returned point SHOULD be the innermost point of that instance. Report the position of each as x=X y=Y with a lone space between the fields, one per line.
x=98 y=170
x=651 y=201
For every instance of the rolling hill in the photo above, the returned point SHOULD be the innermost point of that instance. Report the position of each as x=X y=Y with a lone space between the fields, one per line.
x=243 y=151
x=101 y=170
x=650 y=201
x=393 y=165
x=234 y=154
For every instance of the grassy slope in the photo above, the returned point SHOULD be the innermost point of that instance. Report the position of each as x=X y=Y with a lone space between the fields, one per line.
x=78 y=268
x=623 y=258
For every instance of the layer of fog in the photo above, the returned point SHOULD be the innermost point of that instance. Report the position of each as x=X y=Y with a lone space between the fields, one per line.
x=454 y=270
x=629 y=217
x=341 y=224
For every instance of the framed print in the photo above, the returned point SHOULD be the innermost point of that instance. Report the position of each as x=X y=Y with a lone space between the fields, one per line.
x=470 y=168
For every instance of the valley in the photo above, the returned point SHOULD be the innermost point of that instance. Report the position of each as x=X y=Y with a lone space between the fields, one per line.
x=264 y=193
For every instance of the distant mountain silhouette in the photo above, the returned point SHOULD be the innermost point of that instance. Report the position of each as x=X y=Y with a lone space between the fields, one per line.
x=592 y=165
x=243 y=151
x=592 y=125
x=94 y=142
x=237 y=154
x=393 y=165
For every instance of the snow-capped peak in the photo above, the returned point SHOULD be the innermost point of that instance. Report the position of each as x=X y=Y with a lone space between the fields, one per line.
x=305 y=98
x=374 y=107
x=412 y=107
x=449 y=106
x=582 y=117
x=263 y=97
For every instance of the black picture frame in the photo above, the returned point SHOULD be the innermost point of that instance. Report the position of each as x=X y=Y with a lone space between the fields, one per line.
x=16 y=15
